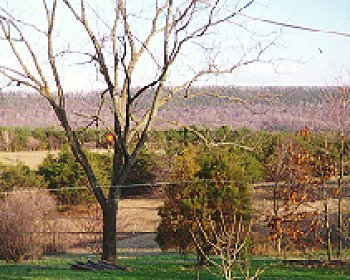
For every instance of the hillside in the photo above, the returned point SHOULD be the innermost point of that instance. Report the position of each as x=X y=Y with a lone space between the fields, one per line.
x=268 y=108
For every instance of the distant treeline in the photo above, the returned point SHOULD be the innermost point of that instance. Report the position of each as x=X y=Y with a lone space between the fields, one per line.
x=255 y=155
x=53 y=138
x=267 y=108
x=286 y=95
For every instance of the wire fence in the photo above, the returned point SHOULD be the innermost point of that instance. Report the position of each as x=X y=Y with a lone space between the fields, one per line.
x=285 y=216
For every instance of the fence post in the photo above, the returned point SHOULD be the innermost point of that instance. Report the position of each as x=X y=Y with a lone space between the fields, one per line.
x=326 y=225
x=340 y=216
x=278 y=226
x=201 y=253
x=341 y=173
x=328 y=233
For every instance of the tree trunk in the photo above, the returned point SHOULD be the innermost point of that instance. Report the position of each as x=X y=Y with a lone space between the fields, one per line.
x=328 y=233
x=110 y=231
x=202 y=256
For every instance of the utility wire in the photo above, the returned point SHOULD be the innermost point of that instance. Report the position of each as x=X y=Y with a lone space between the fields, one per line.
x=281 y=23
x=294 y=26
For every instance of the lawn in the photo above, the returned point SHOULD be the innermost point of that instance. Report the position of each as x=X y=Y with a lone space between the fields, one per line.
x=155 y=266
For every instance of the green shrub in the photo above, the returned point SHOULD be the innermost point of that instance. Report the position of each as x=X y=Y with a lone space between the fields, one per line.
x=19 y=176
x=66 y=178
x=146 y=169
x=214 y=188
x=69 y=183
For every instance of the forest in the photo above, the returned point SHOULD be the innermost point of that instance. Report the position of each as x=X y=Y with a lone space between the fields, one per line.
x=266 y=108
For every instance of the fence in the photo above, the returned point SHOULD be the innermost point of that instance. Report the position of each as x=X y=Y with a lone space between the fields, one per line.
x=283 y=217
x=303 y=218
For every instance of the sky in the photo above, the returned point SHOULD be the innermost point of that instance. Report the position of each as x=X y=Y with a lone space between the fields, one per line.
x=301 y=58
x=320 y=59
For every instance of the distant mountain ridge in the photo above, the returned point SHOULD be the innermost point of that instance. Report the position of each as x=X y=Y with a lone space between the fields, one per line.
x=269 y=108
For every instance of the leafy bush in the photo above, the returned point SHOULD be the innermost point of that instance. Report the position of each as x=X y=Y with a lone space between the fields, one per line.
x=214 y=184
x=19 y=176
x=22 y=213
x=146 y=169
x=66 y=177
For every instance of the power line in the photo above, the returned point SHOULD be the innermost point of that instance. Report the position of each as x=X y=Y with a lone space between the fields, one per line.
x=281 y=23
x=294 y=26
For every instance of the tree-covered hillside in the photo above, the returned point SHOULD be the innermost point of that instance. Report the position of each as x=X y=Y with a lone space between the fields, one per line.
x=268 y=108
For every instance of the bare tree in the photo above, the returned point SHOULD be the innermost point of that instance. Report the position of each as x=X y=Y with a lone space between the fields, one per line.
x=338 y=101
x=178 y=42
x=230 y=239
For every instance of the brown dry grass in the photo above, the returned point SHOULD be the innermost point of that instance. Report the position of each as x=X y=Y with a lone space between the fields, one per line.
x=138 y=219
x=137 y=222
x=263 y=203
x=32 y=159
x=141 y=214
x=135 y=215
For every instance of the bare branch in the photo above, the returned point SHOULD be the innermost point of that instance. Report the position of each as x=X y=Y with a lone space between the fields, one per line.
x=17 y=79
x=50 y=14
x=7 y=32
x=205 y=140
x=98 y=48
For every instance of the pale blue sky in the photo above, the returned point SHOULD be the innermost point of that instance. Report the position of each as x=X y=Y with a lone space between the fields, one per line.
x=303 y=58
x=323 y=57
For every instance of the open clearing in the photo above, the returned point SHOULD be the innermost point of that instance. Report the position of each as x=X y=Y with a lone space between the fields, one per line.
x=33 y=158
x=30 y=158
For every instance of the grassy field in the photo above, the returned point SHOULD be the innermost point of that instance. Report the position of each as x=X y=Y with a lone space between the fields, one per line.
x=31 y=159
x=156 y=266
